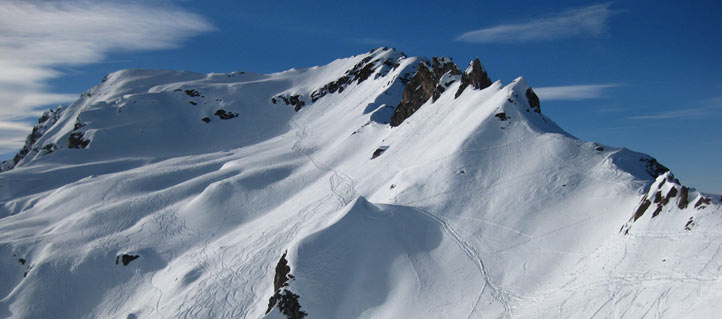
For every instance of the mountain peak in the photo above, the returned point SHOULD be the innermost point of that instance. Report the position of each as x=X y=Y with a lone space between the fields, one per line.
x=338 y=191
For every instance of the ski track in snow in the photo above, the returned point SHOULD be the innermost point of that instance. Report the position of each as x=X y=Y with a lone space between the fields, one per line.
x=342 y=185
x=496 y=292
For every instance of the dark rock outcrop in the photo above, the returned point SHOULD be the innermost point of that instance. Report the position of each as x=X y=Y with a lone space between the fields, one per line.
x=289 y=306
x=359 y=73
x=48 y=148
x=76 y=140
x=125 y=259
x=331 y=87
x=683 y=198
x=378 y=152
x=296 y=100
x=643 y=206
x=533 y=100
x=206 y=119
x=192 y=93
x=476 y=77
x=653 y=167
x=45 y=122
x=422 y=86
x=655 y=195
x=282 y=271
x=701 y=202
x=690 y=224
x=225 y=115
x=662 y=201
x=501 y=116
x=286 y=300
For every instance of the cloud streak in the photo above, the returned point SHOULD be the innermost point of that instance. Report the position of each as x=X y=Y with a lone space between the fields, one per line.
x=572 y=92
x=695 y=112
x=587 y=21
x=37 y=37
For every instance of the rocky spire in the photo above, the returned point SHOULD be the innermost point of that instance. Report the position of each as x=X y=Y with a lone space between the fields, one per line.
x=474 y=75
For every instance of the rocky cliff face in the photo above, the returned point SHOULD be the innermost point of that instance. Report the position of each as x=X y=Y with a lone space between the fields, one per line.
x=424 y=85
x=432 y=79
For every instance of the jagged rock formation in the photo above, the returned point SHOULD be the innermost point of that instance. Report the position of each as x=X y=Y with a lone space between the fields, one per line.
x=286 y=300
x=476 y=76
x=46 y=121
x=360 y=72
x=701 y=202
x=76 y=140
x=296 y=100
x=661 y=193
x=654 y=168
x=424 y=85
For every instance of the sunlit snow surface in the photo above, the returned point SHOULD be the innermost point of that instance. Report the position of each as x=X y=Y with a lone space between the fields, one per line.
x=463 y=216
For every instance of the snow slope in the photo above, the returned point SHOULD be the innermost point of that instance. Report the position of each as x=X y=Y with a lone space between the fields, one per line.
x=164 y=194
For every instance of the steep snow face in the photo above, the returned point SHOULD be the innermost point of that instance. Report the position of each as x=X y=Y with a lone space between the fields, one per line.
x=291 y=195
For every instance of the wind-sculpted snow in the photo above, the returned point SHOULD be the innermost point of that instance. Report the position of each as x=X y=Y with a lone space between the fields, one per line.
x=194 y=190
x=374 y=260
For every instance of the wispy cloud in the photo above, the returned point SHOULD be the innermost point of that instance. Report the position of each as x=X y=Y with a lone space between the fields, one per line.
x=36 y=37
x=573 y=92
x=587 y=21
x=693 y=112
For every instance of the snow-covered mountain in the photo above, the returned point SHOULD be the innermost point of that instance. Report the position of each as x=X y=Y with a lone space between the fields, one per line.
x=377 y=186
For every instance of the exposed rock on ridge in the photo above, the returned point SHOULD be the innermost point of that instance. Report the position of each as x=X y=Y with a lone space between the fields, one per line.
x=474 y=75
x=533 y=100
x=46 y=121
x=653 y=167
x=663 y=192
x=361 y=72
x=422 y=86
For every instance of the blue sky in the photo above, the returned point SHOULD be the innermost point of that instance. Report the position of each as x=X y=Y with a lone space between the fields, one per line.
x=639 y=74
